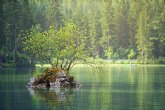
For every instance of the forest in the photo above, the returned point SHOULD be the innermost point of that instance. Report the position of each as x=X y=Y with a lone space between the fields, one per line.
x=113 y=29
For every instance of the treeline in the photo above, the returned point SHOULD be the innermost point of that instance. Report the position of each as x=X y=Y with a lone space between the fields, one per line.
x=115 y=29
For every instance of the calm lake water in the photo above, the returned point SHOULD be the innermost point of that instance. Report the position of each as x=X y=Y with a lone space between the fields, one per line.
x=119 y=87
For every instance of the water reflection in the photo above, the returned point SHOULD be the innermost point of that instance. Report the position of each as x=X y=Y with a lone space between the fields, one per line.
x=51 y=97
x=118 y=88
x=125 y=87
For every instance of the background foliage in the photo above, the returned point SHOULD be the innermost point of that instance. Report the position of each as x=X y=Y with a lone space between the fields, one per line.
x=115 y=29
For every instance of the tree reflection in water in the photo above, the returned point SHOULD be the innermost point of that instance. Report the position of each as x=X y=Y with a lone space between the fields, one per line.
x=52 y=97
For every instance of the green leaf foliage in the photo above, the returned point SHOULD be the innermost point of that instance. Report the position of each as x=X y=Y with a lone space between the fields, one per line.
x=66 y=44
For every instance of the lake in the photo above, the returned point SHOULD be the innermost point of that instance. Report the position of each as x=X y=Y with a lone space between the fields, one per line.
x=118 y=87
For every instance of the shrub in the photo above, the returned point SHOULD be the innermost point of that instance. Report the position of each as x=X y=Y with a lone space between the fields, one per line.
x=161 y=60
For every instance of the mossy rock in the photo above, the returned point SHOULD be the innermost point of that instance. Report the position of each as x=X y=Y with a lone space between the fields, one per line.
x=53 y=76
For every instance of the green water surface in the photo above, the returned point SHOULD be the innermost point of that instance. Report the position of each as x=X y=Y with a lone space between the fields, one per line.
x=118 y=87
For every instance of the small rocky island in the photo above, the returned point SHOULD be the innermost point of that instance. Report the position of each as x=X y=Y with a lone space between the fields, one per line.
x=53 y=77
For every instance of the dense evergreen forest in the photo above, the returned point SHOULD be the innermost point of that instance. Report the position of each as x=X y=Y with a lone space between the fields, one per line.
x=115 y=29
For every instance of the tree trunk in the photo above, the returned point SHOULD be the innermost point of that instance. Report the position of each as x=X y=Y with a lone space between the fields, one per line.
x=70 y=63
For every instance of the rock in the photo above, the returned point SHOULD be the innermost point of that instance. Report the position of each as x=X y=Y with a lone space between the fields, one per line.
x=53 y=77
x=32 y=79
x=61 y=74
x=62 y=79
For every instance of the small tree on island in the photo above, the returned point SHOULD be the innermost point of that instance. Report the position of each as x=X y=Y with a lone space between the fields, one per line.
x=60 y=48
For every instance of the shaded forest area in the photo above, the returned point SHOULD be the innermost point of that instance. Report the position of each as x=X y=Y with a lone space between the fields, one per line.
x=115 y=29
